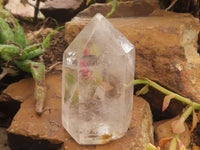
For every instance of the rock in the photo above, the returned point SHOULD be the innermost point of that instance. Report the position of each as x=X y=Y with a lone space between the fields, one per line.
x=13 y=92
x=123 y=9
x=4 y=120
x=163 y=130
x=30 y=131
x=195 y=147
x=161 y=12
x=62 y=10
x=166 y=52
x=24 y=11
x=3 y=139
x=43 y=132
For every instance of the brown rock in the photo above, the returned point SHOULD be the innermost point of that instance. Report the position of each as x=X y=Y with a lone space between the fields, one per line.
x=161 y=12
x=62 y=10
x=30 y=131
x=166 y=51
x=45 y=131
x=13 y=92
x=123 y=9
x=163 y=130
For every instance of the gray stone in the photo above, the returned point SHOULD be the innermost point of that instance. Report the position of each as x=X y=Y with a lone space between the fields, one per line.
x=19 y=9
x=62 y=10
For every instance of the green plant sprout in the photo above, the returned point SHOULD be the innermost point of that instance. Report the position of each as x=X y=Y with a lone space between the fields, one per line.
x=15 y=53
x=177 y=126
x=114 y=4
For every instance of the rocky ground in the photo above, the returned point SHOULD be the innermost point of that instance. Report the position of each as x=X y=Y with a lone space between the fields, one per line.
x=166 y=52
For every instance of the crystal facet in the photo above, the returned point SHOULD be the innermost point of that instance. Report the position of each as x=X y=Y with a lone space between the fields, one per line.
x=97 y=96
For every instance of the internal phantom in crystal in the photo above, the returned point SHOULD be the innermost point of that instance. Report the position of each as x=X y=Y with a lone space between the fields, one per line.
x=97 y=97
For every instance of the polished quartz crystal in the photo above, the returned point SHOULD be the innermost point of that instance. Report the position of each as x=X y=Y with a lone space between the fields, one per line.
x=97 y=97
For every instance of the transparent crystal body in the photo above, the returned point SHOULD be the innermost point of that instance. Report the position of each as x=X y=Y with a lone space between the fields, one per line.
x=97 y=97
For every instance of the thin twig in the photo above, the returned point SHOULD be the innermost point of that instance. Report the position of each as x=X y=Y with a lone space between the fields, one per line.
x=3 y=73
x=53 y=66
x=36 y=11
x=36 y=33
x=171 y=5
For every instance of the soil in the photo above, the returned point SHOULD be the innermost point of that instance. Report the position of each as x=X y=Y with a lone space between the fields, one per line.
x=54 y=52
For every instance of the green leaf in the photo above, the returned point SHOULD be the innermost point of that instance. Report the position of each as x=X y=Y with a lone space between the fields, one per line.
x=167 y=100
x=152 y=147
x=31 y=48
x=173 y=144
x=11 y=29
x=143 y=91
x=114 y=4
x=1 y=6
x=46 y=42
x=19 y=36
x=37 y=70
x=35 y=53
x=6 y=33
x=23 y=65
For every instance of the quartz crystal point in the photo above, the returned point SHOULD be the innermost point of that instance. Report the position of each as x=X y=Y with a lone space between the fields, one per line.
x=97 y=96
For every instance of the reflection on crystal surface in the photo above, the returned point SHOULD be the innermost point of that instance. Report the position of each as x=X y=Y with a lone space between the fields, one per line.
x=97 y=66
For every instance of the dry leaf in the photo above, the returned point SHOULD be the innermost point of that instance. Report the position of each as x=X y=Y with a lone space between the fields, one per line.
x=167 y=100
x=194 y=120
x=164 y=141
x=143 y=91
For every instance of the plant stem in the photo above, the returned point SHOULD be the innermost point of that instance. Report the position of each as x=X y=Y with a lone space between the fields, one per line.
x=167 y=92
x=7 y=70
x=113 y=8
x=173 y=143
